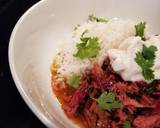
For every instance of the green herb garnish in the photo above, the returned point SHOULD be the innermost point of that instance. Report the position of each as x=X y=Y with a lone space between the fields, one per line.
x=76 y=27
x=108 y=101
x=88 y=48
x=96 y=19
x=74 y=81
x=127 y=124
x=140 y=29
x=145 y=60
x=84 y=33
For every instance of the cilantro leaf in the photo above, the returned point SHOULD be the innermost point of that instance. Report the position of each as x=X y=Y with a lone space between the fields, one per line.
x=142 y=62
x=108 y=102
x=84 y=33
x=127 y=124
x=140 y=29
x=110 y=97
x=96 y=19
x=148 y=53
x=116 y=104
x=102 y=101
x=145 y=60
x=88 y=48
x=74 y=81
x=85 y=39
x=148 y=74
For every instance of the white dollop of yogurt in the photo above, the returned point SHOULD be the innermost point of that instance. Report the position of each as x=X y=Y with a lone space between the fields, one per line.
x=123 y=58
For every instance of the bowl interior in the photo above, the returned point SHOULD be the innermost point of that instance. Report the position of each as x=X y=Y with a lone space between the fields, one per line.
x=37 y=35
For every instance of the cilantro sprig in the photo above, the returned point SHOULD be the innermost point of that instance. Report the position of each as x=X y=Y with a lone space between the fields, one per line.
x=108 y=101
x=127 y=124
x=89 y=47
x=140 y=29
x=145 y=60
x=73 y=81
x=93 y=18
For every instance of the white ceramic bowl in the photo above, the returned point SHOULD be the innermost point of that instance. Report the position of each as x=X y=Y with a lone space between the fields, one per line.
x=35 y=39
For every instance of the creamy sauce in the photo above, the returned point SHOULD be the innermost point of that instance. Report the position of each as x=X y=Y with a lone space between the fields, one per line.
x=123 y=58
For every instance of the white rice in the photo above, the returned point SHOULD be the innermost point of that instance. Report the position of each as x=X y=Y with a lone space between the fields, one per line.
x=110 y=34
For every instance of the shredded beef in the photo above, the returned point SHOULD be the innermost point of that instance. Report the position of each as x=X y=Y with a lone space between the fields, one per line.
x=147 y=121
x=141 y=101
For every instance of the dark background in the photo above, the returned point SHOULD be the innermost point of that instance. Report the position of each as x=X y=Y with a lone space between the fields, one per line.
x=14 y=113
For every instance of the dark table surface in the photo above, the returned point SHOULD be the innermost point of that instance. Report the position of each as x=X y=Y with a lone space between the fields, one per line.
x=14 y=113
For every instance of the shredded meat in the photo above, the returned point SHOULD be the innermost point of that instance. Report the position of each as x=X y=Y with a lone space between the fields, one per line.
x=129 y=102
x=141 y=101
x=77 y=99
x=147 y=121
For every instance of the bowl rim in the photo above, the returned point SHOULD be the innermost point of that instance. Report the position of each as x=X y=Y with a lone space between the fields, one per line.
x=17 y=82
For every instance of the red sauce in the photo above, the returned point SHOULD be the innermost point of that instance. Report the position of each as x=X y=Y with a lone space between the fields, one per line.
x=64 y=96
